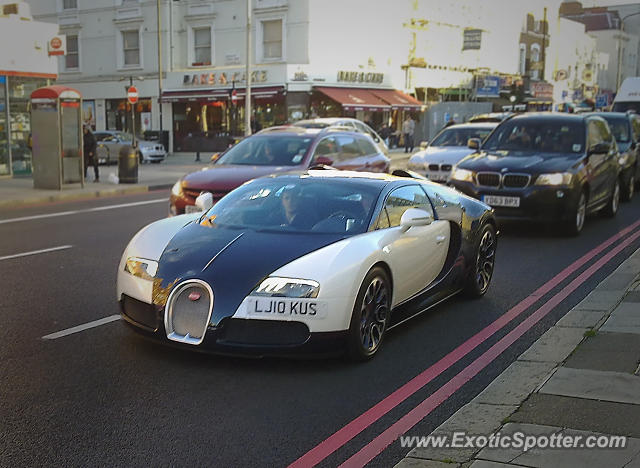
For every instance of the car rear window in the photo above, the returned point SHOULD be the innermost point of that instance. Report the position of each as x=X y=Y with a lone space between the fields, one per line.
x=459 y=136
x=268 y=150
x=524 y=136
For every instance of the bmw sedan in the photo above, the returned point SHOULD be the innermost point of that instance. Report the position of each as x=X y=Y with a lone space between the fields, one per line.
x=547 y=167
x=447 y=149
x=321 y=261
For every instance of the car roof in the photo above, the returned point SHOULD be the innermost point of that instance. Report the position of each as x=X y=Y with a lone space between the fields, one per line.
x=374 y=178
x=558 y=116
x=473 y=125
x=294 y=130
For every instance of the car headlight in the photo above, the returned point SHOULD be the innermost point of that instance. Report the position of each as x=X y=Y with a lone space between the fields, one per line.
x=558 y=178
x=177 y=189
x=623 y=159
x=462 y=175
x=141 y=267
x=287 y=287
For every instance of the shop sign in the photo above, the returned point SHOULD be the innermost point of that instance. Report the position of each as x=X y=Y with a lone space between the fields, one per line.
x=57 y=45
x=212 y=79
x=360 y=77
x=540 y=89
x=487 y=86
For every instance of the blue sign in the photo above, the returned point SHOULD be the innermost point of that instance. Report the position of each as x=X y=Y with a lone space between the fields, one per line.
x=602 y=100
x=487 y=86
x=3 y=79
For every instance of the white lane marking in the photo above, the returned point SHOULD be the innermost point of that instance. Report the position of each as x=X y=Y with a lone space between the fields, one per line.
x=87 y=210
x=79 y=328
x=35 y=252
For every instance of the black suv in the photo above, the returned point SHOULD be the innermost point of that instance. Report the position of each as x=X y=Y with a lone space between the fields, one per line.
x=547 y=167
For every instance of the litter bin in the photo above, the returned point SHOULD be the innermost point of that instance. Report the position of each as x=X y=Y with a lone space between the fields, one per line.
x=127 y=165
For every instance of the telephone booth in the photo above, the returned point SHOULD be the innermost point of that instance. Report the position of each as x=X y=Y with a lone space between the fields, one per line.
x=56 y=126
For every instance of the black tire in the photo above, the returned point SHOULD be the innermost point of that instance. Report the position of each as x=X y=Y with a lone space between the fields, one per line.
x=481 y=273
x=370 y=317
x=628 y=187
x=574 y=226
x=614 y=201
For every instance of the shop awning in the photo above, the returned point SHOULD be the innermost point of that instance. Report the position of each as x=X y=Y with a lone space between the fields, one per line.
x=354 y=99
x=398 y=99
x=218 y=94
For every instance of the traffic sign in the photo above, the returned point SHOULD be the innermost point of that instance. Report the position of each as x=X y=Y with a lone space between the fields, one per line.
x=132 y=94
x=234 y=96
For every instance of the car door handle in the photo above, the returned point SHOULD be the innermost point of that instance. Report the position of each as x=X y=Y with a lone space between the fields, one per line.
x=440 y=239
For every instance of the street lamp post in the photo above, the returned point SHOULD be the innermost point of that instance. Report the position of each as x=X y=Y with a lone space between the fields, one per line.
x=621 y=31
x=247 y=97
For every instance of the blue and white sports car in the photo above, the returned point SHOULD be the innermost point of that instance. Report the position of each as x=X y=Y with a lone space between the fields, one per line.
x=320 y=261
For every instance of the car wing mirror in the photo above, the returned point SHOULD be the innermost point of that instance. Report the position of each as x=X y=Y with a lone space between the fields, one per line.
x=599 y=148
x=204 y=202
x=323 y=161
x=415 y=217
x=424 y=144
x=215 y=157
x=473 y=143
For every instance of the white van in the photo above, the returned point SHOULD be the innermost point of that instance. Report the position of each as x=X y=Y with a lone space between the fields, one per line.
x=628 y=97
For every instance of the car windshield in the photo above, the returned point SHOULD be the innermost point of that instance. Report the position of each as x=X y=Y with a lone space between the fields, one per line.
x=459 y=136
x=292 y=204
x=123 y=136
x=524 y=136
x=268 y=150
x=620 y=127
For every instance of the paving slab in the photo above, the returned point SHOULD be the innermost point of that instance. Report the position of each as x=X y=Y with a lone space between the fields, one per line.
x=576 y=318
x=472 y=418
x=618 y=281
x=555 y=345
x=594 y=385
x=624 y=319
x=600 y=300
x=579 y=413
x=515 y=383
x=506 y=455
x=617 y=352
x=490 y=464
x=632 y=296
x=420 y=463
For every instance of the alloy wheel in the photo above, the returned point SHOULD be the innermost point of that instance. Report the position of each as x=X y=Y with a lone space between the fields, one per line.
x=485 y=260
x=581 y=212
x=373 y=314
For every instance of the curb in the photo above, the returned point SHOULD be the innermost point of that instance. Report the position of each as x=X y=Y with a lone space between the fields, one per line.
x=489 y=411
x=76 y=196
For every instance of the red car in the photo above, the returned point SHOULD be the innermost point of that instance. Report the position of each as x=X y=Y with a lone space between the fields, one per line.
x=274 y=150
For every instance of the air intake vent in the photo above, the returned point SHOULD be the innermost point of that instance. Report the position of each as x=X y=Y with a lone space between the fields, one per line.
x=188 y=312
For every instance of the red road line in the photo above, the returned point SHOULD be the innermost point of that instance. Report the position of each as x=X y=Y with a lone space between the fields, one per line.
x=377 y=445
x=359 y=424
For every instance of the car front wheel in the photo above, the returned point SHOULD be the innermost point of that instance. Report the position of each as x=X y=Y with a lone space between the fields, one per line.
x=574 y=226
x=370 y=317
x=612 y=205
x=479 y=279
x=629 y=188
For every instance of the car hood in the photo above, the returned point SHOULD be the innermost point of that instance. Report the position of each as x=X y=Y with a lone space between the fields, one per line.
x=521 y=162
x=441 y=154
x=226 y=177
x=226 y=259
x=148 y=144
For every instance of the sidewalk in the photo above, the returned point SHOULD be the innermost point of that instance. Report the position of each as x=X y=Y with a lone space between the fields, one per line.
x=581 y=378
x=19 y=191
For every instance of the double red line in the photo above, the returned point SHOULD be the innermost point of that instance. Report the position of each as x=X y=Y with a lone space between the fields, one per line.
x=382 y=441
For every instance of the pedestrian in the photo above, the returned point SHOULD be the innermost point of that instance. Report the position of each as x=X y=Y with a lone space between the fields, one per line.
x=408 y=127
x=385 y=132
x=90 y=156
x=449 y=122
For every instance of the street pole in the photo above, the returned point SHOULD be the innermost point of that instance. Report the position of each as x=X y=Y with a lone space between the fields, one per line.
x=159 y=22
x=544 y=42
x=133 y=116
x=247 y=101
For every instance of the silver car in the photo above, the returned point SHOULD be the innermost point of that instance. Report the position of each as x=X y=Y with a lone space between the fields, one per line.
x=349 y=124
x=109 y=143
x=447 y=148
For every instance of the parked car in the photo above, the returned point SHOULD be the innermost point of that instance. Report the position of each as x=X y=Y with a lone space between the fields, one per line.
x=274 y=150
x=447 y=148
x=628 y=96
x=109 y=143
x=626 y=130
x=348 y=123
x=549 y=167
x=490 y=117
x=314 y=261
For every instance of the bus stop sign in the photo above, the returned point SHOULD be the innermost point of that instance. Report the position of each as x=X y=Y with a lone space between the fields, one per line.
x=132 y=94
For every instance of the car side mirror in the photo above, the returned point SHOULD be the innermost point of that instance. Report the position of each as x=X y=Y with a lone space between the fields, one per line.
x=415 y=217
x=204 y=201
x=424 y=144
x=599 y=148
x=473 y=143
x=323 y=161
x=215 y=157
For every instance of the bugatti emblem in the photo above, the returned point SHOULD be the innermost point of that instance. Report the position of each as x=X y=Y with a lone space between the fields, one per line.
x=194 y=296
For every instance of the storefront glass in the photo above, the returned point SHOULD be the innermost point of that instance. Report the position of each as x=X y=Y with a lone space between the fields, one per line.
x=20 y=89
x=4 y=143
x=119 y=115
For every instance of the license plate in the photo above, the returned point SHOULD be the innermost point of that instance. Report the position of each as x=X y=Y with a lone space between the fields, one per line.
x=188 y=209
x=286 y=308
x=496 y=200
x=437 y=177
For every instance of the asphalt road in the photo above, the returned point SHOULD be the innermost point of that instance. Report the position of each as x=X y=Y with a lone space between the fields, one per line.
x=106 y=397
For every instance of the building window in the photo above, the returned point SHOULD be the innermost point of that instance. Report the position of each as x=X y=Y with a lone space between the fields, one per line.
x=131 y=48
x=272 y=39
x=72 y=59
x=535 y=62
x=522 y=65
x=201 y=46
x=69 y=4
